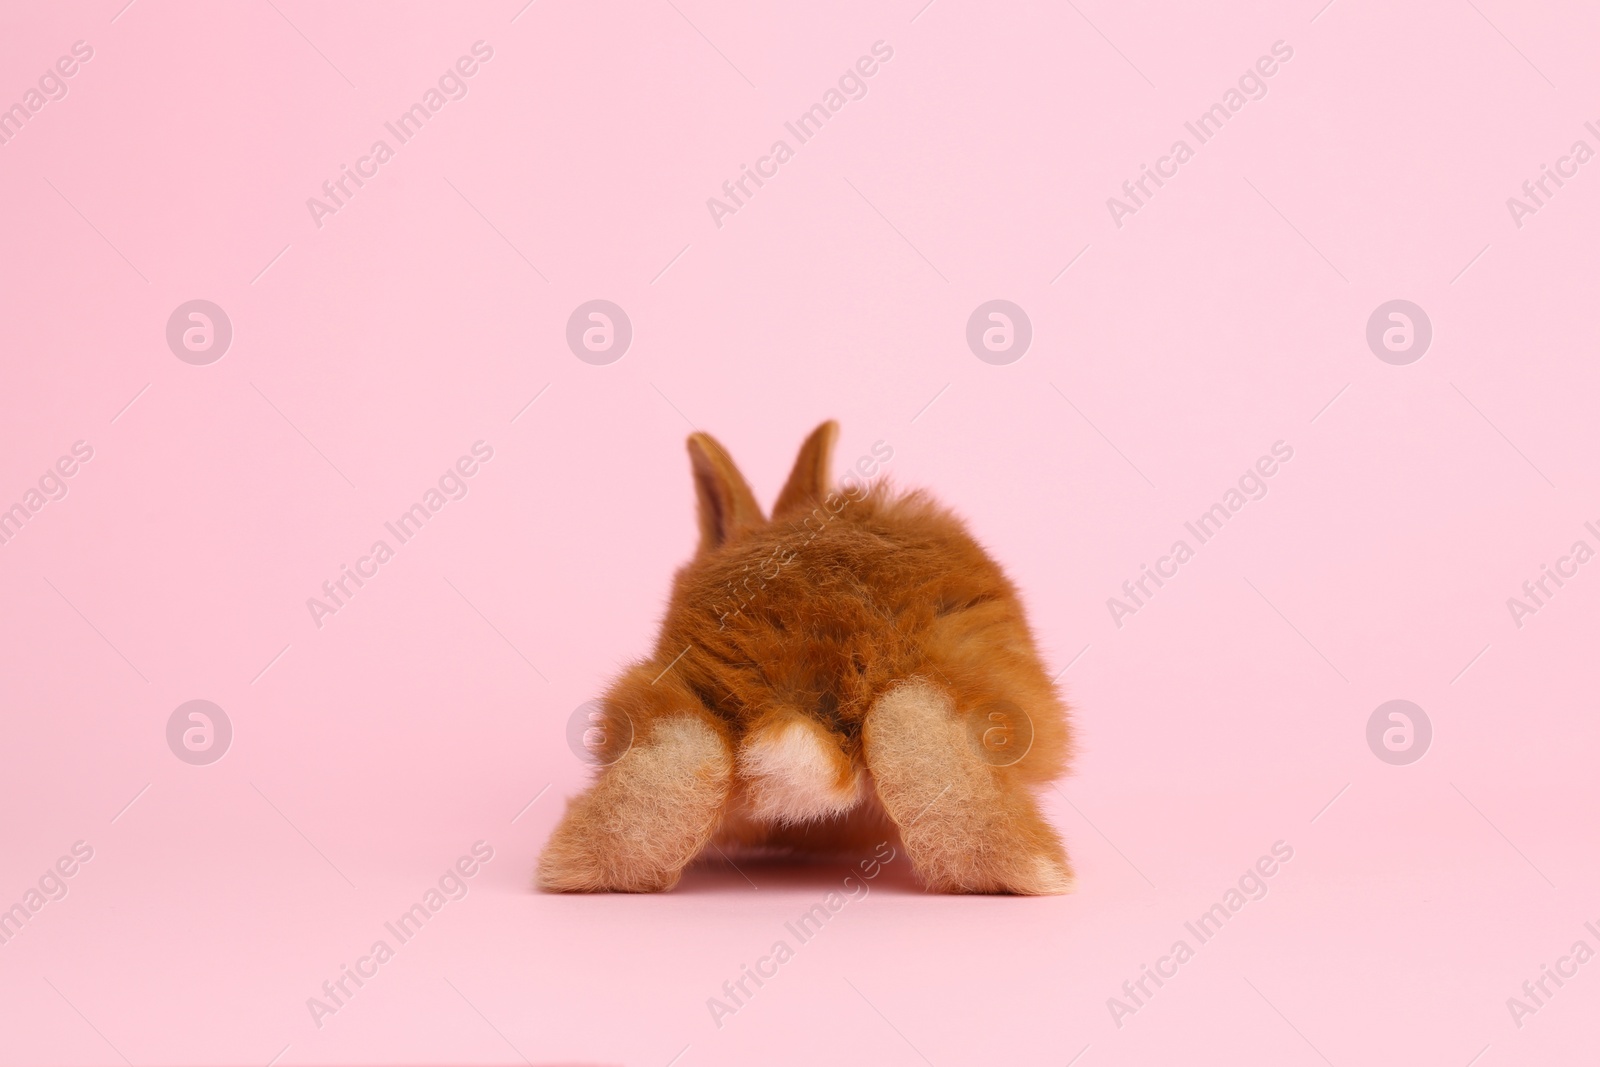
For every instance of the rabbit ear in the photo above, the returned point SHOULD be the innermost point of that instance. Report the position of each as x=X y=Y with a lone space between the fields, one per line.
x=726 y=503
x=808 y=482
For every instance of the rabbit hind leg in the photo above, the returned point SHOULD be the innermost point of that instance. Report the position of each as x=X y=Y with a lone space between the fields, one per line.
x=646 y=816
x=969 y=826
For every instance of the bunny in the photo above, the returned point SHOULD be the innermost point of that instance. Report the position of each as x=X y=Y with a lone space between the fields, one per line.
x=855 y=669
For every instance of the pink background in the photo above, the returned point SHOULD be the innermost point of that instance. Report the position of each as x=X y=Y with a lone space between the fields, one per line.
x=370 y=353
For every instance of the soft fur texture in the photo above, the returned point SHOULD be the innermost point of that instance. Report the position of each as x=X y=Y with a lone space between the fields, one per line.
x=822 y=681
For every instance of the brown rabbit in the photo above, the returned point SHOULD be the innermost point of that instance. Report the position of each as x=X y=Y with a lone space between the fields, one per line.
x=854 y=669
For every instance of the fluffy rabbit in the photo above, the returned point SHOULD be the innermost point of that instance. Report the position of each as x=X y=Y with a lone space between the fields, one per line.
x=852 y=670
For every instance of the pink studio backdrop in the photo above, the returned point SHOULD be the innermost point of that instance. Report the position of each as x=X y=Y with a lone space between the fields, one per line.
x=1175 y=340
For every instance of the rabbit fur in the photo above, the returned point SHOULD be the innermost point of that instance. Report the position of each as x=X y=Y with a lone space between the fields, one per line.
x=852 y=670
